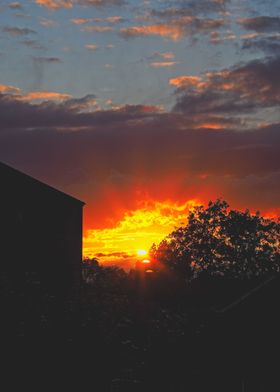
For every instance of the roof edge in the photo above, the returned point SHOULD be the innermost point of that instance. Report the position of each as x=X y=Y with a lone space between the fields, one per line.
x=18 y=172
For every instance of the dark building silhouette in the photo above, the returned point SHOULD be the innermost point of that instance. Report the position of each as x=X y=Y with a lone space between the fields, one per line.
x=41 y=234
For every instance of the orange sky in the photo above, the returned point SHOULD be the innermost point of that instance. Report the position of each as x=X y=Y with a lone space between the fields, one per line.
x=138 y=229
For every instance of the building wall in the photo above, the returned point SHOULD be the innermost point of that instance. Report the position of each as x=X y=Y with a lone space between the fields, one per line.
x=41 y=232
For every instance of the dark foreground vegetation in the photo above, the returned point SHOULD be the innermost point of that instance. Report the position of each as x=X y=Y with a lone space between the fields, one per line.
x=206 y=318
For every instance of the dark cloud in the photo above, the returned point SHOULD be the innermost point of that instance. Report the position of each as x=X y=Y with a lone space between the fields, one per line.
x=47 y=60
x=267 y=44
x=191 y=8
x=15 y=6
x=57 y=4
x=245 y=89
x=33 y=45
x=100 y=3
x=137 y=152
x=17 y=31
x=261 y=23
x=213 y=144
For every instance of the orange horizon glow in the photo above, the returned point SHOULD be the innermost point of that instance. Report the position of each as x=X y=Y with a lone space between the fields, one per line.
x=132 y=236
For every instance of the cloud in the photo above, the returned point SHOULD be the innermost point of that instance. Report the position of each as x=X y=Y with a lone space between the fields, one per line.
x=125 y=160
x=80 y=21
x=15 y=6
x=137 y=229
x=43 y=96
x=33 y=44
x=109 y=19
x=97 y=29
x=191 y=8
x=4 y=88
x=245 y=89
x=47 y=60
x=163 y=64
x=185 y=81
x=17 y=31
x=268 y=44
x=162 y=30
x=115 y=158
x=47 y=22
x=175 y=29
x=91 y=47
x=54 y=5
x=261 y=23
x=164 y=55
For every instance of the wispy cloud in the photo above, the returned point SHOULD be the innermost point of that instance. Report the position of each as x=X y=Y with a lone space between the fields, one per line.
x=261 y=23
x=164 y=55
x=47 y=22
x=43 y=96
x=109 y=19
x=17 y=31
x=172 y=32
x=163 y=64
x=57 y=4
x=47 y=60
x=92 y=47
x=4 y=88
x=15 y=6
x=97 y=29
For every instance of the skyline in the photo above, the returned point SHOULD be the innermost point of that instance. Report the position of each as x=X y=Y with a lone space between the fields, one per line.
x=143 y=110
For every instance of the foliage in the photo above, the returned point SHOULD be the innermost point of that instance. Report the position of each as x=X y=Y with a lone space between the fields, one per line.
x=220 y=241
x=110 y=277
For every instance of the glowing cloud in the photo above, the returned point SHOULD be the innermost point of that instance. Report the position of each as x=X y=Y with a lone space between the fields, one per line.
x=44 y=95
x=173 y=32
x=137 y=231
x=55 y=4
x=163 y=64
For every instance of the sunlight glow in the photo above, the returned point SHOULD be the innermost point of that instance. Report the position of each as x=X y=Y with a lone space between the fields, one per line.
x=131 y=237
x=141 y=252
x=146 y=261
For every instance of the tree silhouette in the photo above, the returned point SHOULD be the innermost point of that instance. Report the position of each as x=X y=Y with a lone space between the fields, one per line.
x=220 y=241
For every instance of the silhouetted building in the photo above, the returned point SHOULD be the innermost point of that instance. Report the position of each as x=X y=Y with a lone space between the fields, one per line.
x=41 y=234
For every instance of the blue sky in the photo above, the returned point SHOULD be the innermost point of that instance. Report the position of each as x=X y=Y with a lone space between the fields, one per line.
x=116 y=67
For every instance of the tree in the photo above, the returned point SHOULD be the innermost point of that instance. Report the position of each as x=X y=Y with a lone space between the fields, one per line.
x=220 y=241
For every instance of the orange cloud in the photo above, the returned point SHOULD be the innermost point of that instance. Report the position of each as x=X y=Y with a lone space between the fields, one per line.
x=4 y=88
x=80 y=21
x=183 y=81
x=211 y=125
x=163 y=64
x=138 y=229
x=174 y=32
x=43 y=95
x=165 y=55
x=55 y=4
x=109 y=19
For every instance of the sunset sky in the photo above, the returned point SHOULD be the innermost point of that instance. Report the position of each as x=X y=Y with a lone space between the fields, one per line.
x=143 y=109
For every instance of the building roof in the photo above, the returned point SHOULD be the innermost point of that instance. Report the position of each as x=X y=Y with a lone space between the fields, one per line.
x=4 y=168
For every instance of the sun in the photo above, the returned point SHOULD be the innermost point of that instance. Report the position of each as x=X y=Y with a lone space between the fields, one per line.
x=141 y=252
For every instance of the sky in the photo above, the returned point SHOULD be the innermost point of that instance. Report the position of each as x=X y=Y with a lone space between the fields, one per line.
x=143 y=109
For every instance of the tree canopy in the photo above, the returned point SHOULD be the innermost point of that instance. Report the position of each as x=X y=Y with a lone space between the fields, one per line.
x=219 y=241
